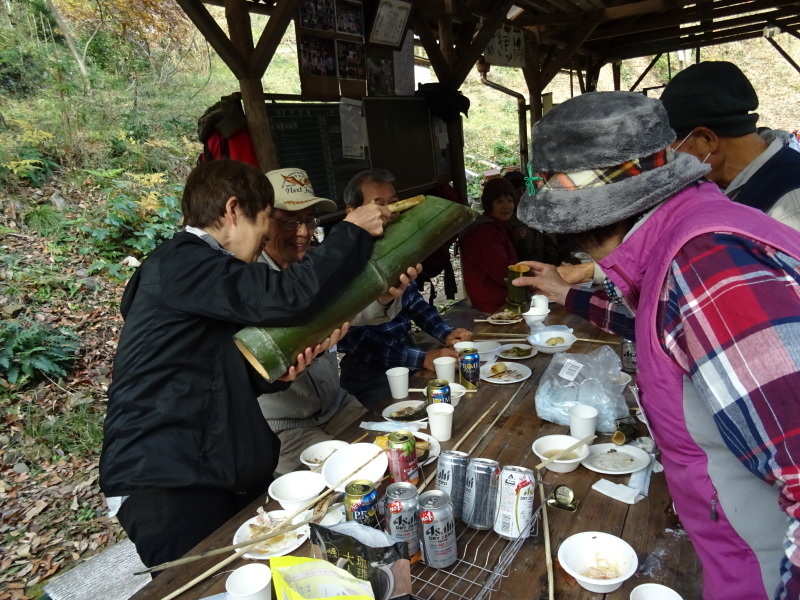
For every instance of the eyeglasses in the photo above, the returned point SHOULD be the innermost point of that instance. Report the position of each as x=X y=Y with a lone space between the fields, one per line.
x=311 y=224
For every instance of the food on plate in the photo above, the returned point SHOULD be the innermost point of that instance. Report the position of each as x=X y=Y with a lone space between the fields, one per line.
x=410 y=413
x=507 y=375
x=613 y=460
x=422 y=446
x=603 y=568
x=264 y=524
x=499 y=368
x=505 y=315
x=555 y=341
x=516 y=352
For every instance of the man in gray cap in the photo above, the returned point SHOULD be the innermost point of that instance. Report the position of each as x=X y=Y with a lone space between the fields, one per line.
x=710 y=106
x=715 y=288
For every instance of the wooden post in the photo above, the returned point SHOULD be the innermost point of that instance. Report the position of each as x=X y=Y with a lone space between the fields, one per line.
x=455 y=132
x=255 y=109
x=616 y=71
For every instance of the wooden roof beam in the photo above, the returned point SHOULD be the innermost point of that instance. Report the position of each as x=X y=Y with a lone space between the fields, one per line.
x=468 y=55
x=253 y=6
x=784 y=54
x=566 y=54
x=271 y=36
x=211 y=30
x=431 y=46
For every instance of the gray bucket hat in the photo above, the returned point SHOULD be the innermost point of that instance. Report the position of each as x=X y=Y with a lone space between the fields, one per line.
x=603 y=157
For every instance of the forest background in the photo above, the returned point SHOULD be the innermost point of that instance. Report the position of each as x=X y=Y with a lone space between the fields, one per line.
x=99 y=103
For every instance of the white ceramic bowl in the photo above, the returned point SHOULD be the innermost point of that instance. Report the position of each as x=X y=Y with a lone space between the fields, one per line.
x=315 y=455
x=457 y=391
x=545 y=446
x=346 y=460
x=654 y=591
x=539 y=341
x=486 y=350
x=582 y=551
x=333 y=517
x=296 y=489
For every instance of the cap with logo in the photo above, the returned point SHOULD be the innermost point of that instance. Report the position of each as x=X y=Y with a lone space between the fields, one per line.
x=293 y=191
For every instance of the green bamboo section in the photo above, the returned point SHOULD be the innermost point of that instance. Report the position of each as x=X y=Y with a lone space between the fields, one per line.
x=409 y=239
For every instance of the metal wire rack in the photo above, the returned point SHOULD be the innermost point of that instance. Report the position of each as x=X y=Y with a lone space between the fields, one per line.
x=484 y=560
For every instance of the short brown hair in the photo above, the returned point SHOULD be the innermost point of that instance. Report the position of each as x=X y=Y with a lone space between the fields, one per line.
x=211 y=184
x=494 y=189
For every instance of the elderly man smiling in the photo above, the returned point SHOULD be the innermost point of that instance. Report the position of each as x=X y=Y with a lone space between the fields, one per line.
x=315 y=408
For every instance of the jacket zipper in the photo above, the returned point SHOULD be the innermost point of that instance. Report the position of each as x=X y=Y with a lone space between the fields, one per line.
x=713 y=516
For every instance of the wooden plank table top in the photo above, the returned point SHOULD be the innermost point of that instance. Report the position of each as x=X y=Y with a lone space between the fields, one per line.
x=665 y=553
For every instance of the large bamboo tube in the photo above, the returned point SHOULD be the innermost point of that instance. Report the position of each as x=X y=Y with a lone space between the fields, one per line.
x=407 y=240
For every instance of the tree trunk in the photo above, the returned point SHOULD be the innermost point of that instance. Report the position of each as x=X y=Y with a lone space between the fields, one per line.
x=62 y=25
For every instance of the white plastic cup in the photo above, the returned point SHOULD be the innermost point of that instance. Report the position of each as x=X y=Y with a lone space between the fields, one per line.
x=582 y=421
x=440 y=419
x=398 y=382
x=250 y=582
x=445 y=368
x=654 y=591
x=540 y=301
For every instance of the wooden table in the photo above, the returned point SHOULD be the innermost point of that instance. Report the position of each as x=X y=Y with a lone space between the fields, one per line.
x=665 y=554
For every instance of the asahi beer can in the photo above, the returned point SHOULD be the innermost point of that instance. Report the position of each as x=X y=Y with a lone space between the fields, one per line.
x=469 y=368
x=437 y=528
x=360 y=502
x=514 y=502
x=628 y=355
x=438 y=391
x=402 y=450
x=400 y=514
x=450 y=473
x=480 y=493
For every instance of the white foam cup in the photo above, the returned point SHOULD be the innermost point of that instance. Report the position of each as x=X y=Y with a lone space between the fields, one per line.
x=398 y=382
x=250 y=582
x=440 y=419
x=445 y=368
x=582 y=421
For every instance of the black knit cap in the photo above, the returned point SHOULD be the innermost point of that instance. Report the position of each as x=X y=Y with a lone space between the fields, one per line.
x=711 y=94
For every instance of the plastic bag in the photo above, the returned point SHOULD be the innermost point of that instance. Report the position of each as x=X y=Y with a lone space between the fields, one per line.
x=366 y=553
x=593 y=379
x=297 y=578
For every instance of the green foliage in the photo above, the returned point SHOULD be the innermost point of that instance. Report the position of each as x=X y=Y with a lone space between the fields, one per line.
x=21 y=71
x=43 y=219
x=28 y=347
x=26 y=155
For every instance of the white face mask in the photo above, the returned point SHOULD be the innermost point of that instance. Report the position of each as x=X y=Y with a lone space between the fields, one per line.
x=683 y=141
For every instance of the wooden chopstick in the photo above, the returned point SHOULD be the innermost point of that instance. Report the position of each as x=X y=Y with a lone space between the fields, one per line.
x=585 y=440
x=506 y=335
x=597 y=341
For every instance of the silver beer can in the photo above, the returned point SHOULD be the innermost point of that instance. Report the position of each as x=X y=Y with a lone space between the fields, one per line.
x=480 y=492
x=515 y=500
x=400 y=514
x=450 y=473
x=437 y=529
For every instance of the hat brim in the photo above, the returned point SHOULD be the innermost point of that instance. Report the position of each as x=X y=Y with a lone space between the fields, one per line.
x=573 y=211
x=321 y=203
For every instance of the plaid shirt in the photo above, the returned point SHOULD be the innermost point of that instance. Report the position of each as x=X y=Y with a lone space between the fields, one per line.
x=730 y=317
x=390 y=344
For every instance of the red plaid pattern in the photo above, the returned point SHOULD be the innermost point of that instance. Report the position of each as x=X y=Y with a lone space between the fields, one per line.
x=596 y=177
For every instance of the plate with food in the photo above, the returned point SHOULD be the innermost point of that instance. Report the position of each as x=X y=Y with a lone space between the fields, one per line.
x=500 y=372
x=516 y=351
x=407 y=410
x=279 y=545
x=610 y=459
x=504 y=317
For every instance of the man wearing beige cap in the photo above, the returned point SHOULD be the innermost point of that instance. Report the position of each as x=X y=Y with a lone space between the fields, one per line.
x=315 y=408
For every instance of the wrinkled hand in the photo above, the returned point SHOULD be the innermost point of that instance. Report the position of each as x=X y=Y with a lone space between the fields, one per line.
x=396 y=291
x=370 y=217
x=458 y=335
x=575 y=274
x=304 y=359
x=545 y=280
x=432 y=354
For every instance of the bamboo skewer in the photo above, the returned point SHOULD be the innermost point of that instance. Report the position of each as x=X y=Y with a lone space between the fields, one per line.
x=251 y=542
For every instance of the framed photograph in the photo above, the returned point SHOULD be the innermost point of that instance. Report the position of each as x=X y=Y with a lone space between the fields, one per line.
x=380 y=77
x=350 y=17
x=391 y=19
x=317 y=14
x=317 y=57
x=352 y=62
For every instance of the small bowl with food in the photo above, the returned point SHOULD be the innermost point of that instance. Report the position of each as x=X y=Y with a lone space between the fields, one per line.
x=297 y=489
x=552 y=341
x=548 y=446
x=486 y=350
x=315 y=455
x=598 y=561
